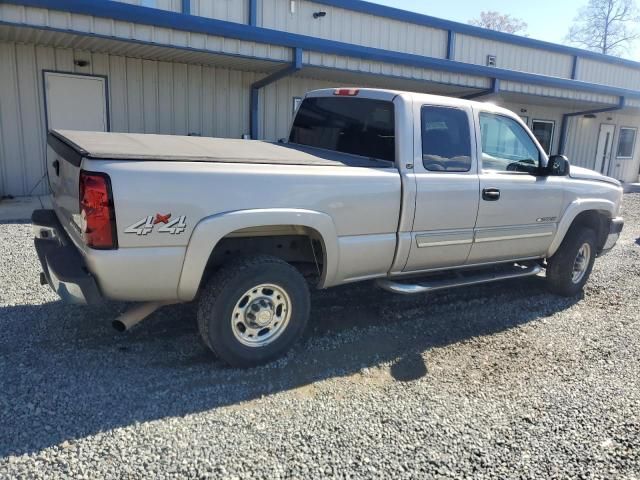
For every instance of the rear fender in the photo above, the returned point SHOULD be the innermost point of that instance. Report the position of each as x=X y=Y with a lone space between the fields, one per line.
x=573 y=210
x=211 y=230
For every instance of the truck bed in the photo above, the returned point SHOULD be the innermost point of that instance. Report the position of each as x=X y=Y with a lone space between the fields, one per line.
x=146 y=147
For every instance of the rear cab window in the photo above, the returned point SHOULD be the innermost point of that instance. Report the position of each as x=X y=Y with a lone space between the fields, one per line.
x=358 y=126
x=446 y=139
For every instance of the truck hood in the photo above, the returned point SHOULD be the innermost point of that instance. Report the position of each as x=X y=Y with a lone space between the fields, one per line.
x=586 y=174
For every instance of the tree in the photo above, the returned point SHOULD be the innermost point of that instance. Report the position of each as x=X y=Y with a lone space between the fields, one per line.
x=500 y=22
x=606 y=26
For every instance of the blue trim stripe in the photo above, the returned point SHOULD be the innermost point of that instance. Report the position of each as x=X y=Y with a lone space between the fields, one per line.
x=190 y=23
x=433 y=22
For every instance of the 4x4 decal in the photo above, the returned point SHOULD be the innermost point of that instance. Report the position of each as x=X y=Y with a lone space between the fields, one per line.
x=145 y=226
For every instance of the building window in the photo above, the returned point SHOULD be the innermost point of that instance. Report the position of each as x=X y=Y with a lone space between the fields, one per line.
x=297 y=101
x=626 y=142
x=543 y=131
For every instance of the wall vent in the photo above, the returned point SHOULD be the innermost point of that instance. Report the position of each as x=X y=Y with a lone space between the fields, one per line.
x=491 y=60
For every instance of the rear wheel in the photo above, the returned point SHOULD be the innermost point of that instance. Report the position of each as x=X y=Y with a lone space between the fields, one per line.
x=569 y=269
x=253 y=310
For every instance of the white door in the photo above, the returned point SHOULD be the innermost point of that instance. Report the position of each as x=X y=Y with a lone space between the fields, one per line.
x=76 y=102
x=73 y=102
x=605 y=145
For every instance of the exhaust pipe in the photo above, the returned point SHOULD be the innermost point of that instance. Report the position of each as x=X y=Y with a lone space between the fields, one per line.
x=136 y=314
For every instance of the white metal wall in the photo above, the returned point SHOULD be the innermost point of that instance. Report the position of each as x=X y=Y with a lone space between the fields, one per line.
x=149 y=35
x=392 y=70
x=583 y=140
x=609 y=74
x=144 y=96
x=229 y=10
x=352 y=27
x=475 y=50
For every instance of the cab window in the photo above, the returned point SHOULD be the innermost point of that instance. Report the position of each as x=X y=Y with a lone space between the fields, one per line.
x=506 y=145
x=446 y=140
x=359 y=126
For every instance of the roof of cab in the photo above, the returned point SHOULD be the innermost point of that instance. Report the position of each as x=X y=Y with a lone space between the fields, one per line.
x=388 y=94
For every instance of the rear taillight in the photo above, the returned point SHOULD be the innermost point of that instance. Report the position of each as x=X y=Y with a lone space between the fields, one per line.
x=346 y=92
x=96 y=208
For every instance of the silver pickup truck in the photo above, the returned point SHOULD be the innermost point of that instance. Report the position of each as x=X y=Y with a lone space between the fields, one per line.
x=416 y=192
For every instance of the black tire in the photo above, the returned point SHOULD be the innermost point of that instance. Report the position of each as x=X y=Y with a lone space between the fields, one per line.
x=560 y=267
x=228 y=286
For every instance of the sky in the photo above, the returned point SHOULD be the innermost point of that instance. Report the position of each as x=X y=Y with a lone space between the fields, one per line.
x=548 y=19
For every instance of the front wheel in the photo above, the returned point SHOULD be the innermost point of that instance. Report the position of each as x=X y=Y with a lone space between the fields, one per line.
x=569 y=269
x=253 y=310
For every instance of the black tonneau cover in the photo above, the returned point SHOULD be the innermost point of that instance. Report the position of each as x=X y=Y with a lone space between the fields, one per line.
x=76 y=145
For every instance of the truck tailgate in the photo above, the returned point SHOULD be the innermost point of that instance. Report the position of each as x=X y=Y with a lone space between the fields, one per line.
x=63 y=168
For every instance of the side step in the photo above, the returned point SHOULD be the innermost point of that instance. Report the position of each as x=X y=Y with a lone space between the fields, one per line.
x=461 y=280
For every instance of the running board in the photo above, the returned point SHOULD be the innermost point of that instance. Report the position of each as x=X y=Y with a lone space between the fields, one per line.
x=462 y=281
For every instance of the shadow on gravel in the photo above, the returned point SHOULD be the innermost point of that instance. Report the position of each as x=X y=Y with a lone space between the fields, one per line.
x=65 y=374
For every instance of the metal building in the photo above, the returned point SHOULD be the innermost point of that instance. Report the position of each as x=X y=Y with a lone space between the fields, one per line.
x=232 y=68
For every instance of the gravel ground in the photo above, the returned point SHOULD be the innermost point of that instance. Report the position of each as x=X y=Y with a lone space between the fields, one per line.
x=496 y=381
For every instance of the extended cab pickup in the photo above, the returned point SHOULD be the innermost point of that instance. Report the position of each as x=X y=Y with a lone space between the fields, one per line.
x=418 y=192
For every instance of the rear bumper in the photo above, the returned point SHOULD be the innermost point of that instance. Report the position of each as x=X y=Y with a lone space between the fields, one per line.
x=63 y=266
x=615 y=228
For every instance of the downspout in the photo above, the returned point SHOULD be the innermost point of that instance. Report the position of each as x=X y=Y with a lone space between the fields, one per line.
x=253 y=13
x=494 y=90
x=296 y=66
x=564 y=130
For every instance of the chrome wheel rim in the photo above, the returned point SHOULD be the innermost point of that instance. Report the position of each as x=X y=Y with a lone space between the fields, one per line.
x=261 y=315
x=581 y=263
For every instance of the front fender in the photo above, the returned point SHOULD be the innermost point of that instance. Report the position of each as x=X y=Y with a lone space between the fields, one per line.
x=211 y=230
x=574 y=209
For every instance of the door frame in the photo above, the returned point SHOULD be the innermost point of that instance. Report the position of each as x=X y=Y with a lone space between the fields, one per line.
x=553 y=132
x=607 y=161
x=63 y=72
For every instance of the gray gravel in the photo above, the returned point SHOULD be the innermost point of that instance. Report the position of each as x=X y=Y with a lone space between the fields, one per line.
x=500 y=381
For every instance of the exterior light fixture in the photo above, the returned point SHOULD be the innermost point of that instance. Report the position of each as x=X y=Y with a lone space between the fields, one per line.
x=590 y=115
x=81 y=63
x=319 y=14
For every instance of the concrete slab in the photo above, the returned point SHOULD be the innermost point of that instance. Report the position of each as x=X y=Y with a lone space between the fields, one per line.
x=18 y=208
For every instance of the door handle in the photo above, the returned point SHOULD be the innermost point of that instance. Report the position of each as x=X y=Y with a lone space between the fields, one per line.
x=491 y=194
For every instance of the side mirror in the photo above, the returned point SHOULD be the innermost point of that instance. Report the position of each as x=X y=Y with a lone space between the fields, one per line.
x=558 y=166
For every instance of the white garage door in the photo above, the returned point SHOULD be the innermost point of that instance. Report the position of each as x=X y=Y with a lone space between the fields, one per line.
x=76 y=102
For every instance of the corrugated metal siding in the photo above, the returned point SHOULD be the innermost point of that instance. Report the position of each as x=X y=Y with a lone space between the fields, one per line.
x=515 y=87
x=230 y=10
x=144 y=33
x=609 y=74
x=171 y=5
x=352 y=27
x=144 y=96
x=474 y=50
x=582 y=143
x=399 y=71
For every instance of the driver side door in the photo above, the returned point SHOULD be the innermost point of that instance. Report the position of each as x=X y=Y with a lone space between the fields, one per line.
x=519 y=209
